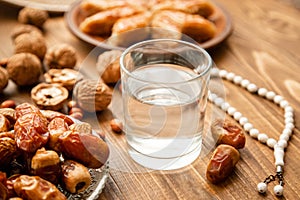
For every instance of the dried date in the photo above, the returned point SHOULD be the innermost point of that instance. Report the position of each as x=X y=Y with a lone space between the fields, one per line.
x=3 y=188
x=46 y=164
x=4 y=123
x=31 y=132
x=50 y=115
x=222 y=163
x=8 y=148
x=75 y=176
x=87 y=149
x=25 y=108
x=226 y=132
x=34 y=187
x=56 y=128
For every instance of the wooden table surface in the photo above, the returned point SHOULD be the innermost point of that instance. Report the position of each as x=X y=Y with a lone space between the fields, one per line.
x=264 y=48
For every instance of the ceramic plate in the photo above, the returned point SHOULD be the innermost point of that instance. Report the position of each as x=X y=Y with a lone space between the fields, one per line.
x=221 y=18
x=49 y=5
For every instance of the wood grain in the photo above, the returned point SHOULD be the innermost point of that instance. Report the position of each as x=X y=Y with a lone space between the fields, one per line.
x=264 y=48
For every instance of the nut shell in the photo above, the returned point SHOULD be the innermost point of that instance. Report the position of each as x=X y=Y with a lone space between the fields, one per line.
x=108 y=66
x=31 y=43
x=49 y=96
x=60 y=56
x=33 y=16
x=64 y=77
x=3 y=79
x=24 y=28
x=92 y=95
x=24 y=69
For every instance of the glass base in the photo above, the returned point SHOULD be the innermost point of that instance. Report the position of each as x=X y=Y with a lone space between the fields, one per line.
x=156 y=163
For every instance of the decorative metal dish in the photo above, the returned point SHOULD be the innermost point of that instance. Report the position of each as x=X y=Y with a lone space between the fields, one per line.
x=99 y=178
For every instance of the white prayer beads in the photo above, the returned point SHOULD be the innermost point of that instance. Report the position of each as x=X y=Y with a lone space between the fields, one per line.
x=277 y=146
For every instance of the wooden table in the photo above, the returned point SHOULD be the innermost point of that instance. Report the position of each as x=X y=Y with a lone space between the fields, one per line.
x=264 y=48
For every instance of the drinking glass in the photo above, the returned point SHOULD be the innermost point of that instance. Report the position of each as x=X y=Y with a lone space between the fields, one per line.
x=164 y=95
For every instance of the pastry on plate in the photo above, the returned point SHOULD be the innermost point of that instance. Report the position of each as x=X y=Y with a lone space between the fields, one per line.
x=101 y=23
x=129 y=30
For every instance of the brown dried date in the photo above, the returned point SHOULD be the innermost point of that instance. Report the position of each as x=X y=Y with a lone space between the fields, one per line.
x=46 y=164
x=4 y=123
x=3 y=188
x=87 y=149
x=25 y=108
x=75 y=176
x=50 y=115
x=34 y=187
x=9 y=113
x=8 y=148
x=56 y=128
x=222 y=163
x=226 y=132
x=31 y=132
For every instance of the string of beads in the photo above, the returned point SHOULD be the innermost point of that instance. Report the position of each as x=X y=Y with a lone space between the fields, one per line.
x=279 y=145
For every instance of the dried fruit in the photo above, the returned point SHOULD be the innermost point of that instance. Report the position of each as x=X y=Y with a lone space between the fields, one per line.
x=26 y=108
x=92 y=95
x=25 y=28
x=9 y=113
x=34 y=187
x=46 y=164
x=8 y=148
x=222 y=163
x=56 y=128
x=24 y=69
x=108 y=66
x=50 y=115
x=82 y=127
x=33 y=16
x=60 y=56
x=31 y=132
x=75 y=176
x=225 y=132
x=4 y=123
x=3 y=79
x=65 y=77
x=31 y=42
x=87 y=149
x=49 y=96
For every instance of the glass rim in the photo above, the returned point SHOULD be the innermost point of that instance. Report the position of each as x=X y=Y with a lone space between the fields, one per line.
x=197 y=47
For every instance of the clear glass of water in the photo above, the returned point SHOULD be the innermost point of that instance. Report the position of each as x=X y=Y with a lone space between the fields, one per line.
x=164 y=94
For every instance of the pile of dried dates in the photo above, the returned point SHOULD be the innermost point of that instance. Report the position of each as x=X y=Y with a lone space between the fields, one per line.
x=41 y=149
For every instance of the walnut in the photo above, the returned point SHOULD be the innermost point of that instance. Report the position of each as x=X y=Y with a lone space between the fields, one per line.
x=65 y=77
x=31 y=43
x=24 y=69
x=60 y=56
x=24 y=28
x=92 y=95
x=49 y=96
x=3 y=79
x=108 y=65
x=33 y=16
